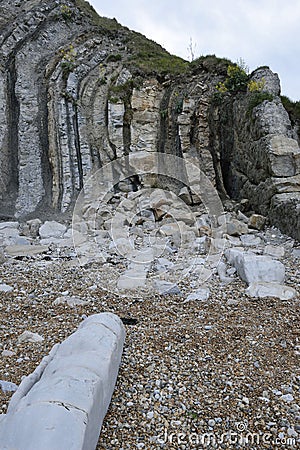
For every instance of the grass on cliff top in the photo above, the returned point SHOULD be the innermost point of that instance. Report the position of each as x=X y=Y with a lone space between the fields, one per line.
x=148 y=56
x=104 y=22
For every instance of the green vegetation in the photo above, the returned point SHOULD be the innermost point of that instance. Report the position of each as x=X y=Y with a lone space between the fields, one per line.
x=66 y=12
x=256 y=86
x=68 y=62
x=236 y=80
x=150 y=57
x=211 y=63
x=293 y=108
x=114 y=58
x=256 y=98
x=122 y=92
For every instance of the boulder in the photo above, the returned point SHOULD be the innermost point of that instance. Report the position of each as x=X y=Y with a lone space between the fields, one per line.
x=236 y=227
x=256 y=268
x=261 y=290
x=62 y=404
x=52 y=229
x=257 y=221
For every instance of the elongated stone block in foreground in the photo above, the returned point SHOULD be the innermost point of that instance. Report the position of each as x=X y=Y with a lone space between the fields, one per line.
x=62 y=404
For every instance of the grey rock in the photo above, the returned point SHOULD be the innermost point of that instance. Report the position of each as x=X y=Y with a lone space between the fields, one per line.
x=52 y=229
x=166 y=288
x=8 y=386
x=8 y=353
x=296 y=252
x=288 y=398
x=236 y=227
x=4 y=225
x=261 y=290
x=70 y=390
x=275 y=251
x=252 y=268
x=29 y=336
x=6 y=288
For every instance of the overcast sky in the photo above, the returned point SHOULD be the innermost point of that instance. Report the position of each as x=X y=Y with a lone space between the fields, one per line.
x=261 y=32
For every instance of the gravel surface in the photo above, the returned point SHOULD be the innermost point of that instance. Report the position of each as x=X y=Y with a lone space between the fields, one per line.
x=219 y=373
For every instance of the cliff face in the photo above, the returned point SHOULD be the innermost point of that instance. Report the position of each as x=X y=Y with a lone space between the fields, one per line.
x=78 y=91
x=257 y=155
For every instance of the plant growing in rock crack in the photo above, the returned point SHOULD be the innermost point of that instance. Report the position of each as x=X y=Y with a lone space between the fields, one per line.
x=68 y=62
x=164 y=113
x=257 y=98
x=66 y=12
x=236 y=80
x=256 y=86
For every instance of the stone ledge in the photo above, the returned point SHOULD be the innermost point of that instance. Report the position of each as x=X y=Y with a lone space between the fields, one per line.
x=62 y=404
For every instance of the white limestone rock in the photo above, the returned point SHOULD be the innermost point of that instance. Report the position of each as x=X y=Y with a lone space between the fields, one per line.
x=256 y=268
x=261 y=290
x=236 y=227
x=6 y=288
x=275 y=251
x=201 y=294
x=25 y=250
x=62 y=404
x=52 y=229
x=166 y=287
x=250 y=240
x=71 y=301
x=29 y=336
x=132 y=279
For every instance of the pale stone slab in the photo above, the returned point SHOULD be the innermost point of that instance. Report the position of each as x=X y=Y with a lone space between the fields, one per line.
x=62 y=404
x=275 y=251
x=166 y=287
x=202 y=294
x=52 y=229
x=25 y=250
x=132 y=279
x=261 y=290
x=256 y=268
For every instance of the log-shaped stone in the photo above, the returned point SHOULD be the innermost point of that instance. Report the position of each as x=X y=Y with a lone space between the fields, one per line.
x=62 y=404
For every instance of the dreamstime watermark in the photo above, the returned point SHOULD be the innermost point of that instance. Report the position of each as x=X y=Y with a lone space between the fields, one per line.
x=239 y=436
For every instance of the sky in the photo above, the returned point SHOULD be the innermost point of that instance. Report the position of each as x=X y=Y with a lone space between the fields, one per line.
x=260 y=32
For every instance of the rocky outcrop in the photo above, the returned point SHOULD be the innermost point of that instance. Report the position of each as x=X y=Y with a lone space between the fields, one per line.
x=70 y=103
x=252 y=138
x=78 y=91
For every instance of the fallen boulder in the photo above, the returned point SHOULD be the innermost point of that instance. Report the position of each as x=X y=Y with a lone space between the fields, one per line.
x=62 y=404
x=256 y=268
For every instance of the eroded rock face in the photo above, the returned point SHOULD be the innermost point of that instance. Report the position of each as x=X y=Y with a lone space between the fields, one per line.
x=256 y=153
x=73 y=99
x=69 y=105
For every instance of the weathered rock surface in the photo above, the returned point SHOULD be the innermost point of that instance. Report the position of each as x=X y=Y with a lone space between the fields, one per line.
x=257 y=155
x=54 y=399
x=256 y=268
x=75 y=95
x=277 y=290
